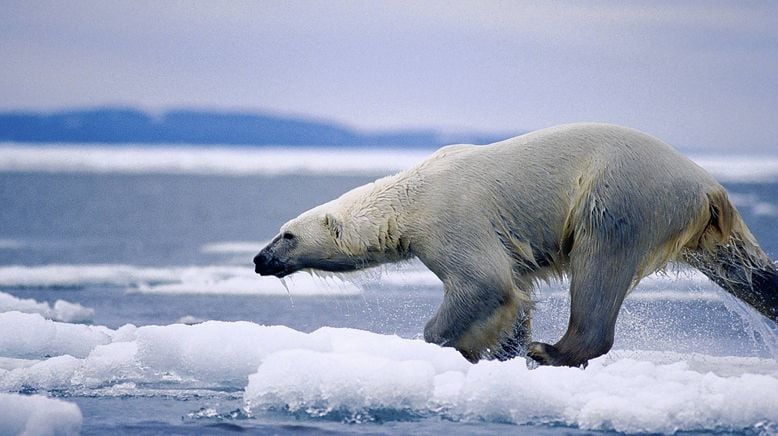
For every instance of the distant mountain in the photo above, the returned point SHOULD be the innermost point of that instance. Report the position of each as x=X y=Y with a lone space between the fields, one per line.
x=116 y=126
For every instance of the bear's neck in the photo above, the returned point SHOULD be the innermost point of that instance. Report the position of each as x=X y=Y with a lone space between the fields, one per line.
x=393 y=202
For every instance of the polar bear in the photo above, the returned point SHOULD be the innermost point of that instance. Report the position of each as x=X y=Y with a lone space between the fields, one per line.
x=603 y=204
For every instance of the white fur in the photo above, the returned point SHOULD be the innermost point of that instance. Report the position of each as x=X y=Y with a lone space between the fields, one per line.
x=606 y=203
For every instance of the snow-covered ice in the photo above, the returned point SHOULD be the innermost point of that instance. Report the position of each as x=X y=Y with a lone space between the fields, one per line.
x=33 y=415
x=340 y=373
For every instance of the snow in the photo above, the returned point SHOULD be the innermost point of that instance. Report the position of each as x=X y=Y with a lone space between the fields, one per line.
x=349 y=374
x=284 y=160
x=37 y=415
x=61 y=311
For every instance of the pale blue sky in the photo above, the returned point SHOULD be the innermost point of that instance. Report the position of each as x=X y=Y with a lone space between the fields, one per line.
x=697 y=74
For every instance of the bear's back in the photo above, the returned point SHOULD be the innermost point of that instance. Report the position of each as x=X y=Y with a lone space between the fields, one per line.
x=560 y=156
x=533 y=183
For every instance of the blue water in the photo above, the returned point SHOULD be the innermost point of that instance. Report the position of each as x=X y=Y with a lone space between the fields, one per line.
x=166 y=220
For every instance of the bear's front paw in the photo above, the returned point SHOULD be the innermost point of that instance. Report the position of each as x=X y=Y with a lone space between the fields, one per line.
x=546 y=354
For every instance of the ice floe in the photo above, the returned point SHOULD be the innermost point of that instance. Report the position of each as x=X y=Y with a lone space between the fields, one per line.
x=347 y=374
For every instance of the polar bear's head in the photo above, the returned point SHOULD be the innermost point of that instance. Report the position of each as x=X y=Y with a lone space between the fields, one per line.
x=339 y=236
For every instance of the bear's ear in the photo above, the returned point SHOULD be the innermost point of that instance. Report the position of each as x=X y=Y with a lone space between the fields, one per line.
x=333 y=224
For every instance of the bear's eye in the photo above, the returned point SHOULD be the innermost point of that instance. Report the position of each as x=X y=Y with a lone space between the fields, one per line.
x=287 y=236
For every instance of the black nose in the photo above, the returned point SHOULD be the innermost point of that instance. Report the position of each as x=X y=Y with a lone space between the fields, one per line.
x=266 y=264
x=261 y=262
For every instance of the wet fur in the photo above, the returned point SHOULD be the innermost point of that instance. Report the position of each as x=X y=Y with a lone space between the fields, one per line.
x=603 y=205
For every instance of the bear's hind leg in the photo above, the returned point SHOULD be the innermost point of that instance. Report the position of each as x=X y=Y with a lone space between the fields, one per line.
x=600 y=279
x=743 y=270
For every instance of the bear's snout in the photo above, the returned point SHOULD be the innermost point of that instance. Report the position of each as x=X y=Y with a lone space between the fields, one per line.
x=266 y=264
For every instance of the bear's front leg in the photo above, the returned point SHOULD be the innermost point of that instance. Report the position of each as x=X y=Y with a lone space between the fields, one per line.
x=480 y=320
x=546 y=354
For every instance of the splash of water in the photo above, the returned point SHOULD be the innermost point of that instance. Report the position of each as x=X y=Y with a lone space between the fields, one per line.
x=759 y=329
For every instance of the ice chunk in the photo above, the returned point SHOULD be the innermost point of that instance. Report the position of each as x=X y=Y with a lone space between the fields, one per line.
x=345 y=340
x=626 y=395
x=71 y=312
x=62 y=310
x=322 y=383
x=38 y=415
x=189 y=320
x=25 y=335
x=215 y=351
x=210 y=354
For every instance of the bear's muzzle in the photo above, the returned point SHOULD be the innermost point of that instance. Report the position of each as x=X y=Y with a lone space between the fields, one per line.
x=265 y=264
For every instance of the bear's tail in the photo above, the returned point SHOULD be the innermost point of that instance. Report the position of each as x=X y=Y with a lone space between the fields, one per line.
x=730 y=256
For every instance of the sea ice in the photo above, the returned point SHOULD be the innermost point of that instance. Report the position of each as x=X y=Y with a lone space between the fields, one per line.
x=62 y=310
x=217 y=279
x=341 y=373
x=31 y=415
x=206 y=160
x=279 y=160
x=241 y=280
x=30 y=336
x=630 y=395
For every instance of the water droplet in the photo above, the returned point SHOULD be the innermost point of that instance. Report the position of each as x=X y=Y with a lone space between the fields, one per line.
x=285 y=284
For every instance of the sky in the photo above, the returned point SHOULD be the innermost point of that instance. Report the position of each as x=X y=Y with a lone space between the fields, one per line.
x=698 y=74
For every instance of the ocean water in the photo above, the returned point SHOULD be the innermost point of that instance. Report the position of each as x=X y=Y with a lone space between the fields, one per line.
x=127 y=289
